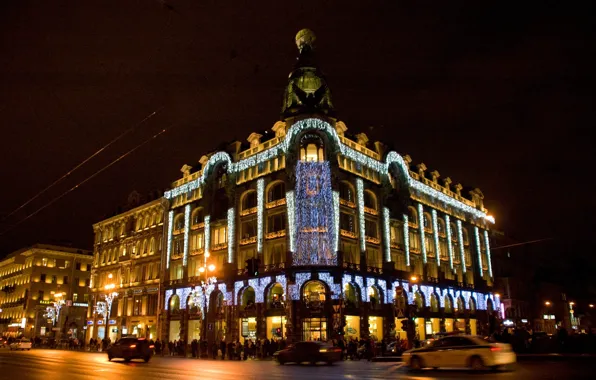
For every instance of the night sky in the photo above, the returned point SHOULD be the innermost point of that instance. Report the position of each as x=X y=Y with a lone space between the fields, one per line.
x=494 y=95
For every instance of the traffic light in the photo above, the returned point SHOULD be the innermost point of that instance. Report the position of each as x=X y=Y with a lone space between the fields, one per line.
x=252 y=266
x=278 y=331
x=404 y=325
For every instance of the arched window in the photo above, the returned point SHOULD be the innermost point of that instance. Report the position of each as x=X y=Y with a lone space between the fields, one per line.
x=114 y=255
x=351 y=296
x=249 y=200
x=103 y=258
x=428 y=225
x=375 y=297
x=412 y=217
x=144 y=250
x=312 y=148
x=434 y=303
x=314 y=291
x=152 y=246
x=370 y=200
x=122 y=229
x=448 y=304
x=138 y=223
x=275 y=297
x=111 y=232
x=472 y=305
x=418 y=301
x=248 y=297
x=276 y=191
x=146 y=221
x=441 y=227
x=460 y=305
x=465 y=234
x=198 y=216
x=152 y=220
x=346 y=192
x=179 y=222
x=174 y=304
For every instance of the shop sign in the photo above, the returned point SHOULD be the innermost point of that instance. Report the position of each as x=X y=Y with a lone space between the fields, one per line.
x=80 y=304
x=112 y=322
x=100 y=321
x=90 y=323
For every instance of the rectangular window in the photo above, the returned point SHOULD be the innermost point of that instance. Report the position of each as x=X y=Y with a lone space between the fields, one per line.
x=40 y=295
x=276 y=222
x=87 y=282
x=347 y=222
x=75 y=297
x=196 y=241
x=86 y=297
x=136 y=310
x=65 y=280
x=371 y=229
x=42 y=277
x=219 y=235
x=78 y=266
x=77 y=282
x=44 y=262
x=248 y=229
x=351 y=253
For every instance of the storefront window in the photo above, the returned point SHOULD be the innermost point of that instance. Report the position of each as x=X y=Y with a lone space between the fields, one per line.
x=248 y=328
x=276 y=327
x=276 y=296
x=352 y=328
x=434 y=304
x=314 y=294
x=248 y=297
x=315 y=329
x=375 y=328
x=351 y=296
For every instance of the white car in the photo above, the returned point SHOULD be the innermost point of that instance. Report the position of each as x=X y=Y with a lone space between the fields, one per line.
x=21 y=344
x=460 y=351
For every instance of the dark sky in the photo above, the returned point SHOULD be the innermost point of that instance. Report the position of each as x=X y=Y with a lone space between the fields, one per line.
x=495 y=95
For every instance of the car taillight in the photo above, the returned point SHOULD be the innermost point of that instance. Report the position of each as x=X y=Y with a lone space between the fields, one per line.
x=151 y=346
x=493 y=349
x=133 y=345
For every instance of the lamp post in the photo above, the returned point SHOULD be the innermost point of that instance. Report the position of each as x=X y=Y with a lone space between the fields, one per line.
x=196 y=297
x=109 y=297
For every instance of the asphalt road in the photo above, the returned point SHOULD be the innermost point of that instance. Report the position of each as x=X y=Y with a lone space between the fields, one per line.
x=70 y=365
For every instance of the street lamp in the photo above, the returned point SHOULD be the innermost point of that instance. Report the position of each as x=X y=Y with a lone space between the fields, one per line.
x=591 y=305
x=109 y=297
x=547 y=303
x=196 y=296
x=413 y=278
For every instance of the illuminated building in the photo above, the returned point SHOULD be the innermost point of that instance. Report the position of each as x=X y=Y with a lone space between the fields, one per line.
x=37 y=278
x=126 y=265
x=324 y=214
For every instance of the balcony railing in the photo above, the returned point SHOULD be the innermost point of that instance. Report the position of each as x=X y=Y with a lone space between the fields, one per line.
x=248 y=240
x=248 y=211
x=347 y=203
x=370 y=211
x=275 y=234
x=275 y=203
x=346 y=233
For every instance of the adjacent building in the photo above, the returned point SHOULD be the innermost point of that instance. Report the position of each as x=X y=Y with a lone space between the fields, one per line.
x=44 y=291
x=347 y=237
x=126 y=272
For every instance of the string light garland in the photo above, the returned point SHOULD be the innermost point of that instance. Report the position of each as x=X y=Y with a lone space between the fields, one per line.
x=363 y=293
x=428 y=292
x=301 y=278
x=227 y=295
x=170 y=230
x=407 y=239
x=421 y=229
x=314 y=215
x=478 y=250
x=436 y=237
x=460 y=237
x=186 y=232
x=184 y=294
x=336 y=221
x=346 y=151
x=387 y=234
x=260 y=204
x=231 y=232
x=488 y=255
x=281 y=279
x=291 y=219
x=449 y=246
x=327 y=278
x=360 y=202
x=207 y=236
x=169 y=294
x=238 y=286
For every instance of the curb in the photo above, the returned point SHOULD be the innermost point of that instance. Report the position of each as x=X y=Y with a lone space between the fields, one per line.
x=386 y=359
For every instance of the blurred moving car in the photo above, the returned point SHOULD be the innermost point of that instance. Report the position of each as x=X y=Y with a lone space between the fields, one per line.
x=130 y=348
x=21 y=344
x=312 y=352
x=3 y=342
x=461 y=351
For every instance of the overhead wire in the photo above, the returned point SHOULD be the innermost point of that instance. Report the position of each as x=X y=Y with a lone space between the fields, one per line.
x=68 y=173
x=54 y=200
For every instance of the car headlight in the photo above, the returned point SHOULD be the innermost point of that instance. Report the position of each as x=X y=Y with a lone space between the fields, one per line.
x=322 y=350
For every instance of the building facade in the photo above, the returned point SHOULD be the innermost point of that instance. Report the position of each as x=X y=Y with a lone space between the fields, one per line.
x=126 y=272
x=350 y=239
x=44 y=291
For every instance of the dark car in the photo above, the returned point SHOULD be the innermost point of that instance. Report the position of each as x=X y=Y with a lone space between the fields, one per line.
x=312 y=352
x=131 y=348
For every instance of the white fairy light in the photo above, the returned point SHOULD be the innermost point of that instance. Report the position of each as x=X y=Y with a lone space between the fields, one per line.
x=336 y=220
x=260 y=193
x=421 y=229
x=327 y=278
x=294 y=290
x=207 y=236
x=488 y=255
x=460 y=237
x=231 y=231
x=186 y=233
x=449 y=247
x=478 y=250
x=291 y=219
x=169 y=294
x=360 y=200
x=407 y=239
x=436 y=236
x=363 y=293
x=170 y=228
x=312 y=123
x=387 y=234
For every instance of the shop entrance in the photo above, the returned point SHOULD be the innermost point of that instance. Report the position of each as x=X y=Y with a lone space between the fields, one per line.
x=194 y=329
x=174 y=331
x=375 y=328
x=276 y=327
x=314 y=329
x=248 y=329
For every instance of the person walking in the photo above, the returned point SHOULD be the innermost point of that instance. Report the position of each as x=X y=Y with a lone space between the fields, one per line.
x=222 y=347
